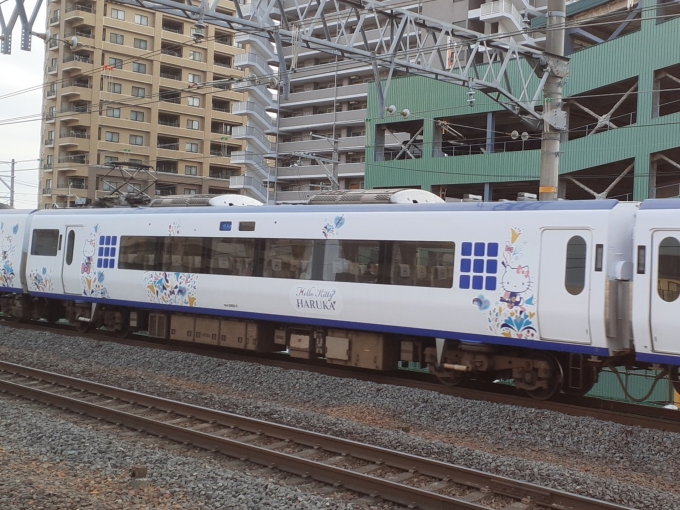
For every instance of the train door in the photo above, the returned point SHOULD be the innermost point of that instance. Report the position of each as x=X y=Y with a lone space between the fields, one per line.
x=71 y=266
x=563 y=307
x=665 y=282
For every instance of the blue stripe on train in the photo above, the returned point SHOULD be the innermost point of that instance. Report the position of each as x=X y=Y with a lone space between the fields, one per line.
x=13 y=290
x=381 y=328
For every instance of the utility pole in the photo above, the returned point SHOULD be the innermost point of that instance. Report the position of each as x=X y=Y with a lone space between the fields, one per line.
x=11 y=186
x=550 y=143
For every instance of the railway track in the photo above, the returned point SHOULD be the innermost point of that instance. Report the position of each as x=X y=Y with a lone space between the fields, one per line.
x=401 y=478
x=624 y=413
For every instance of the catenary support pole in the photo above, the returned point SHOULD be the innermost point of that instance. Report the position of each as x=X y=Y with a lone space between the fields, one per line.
x=550 y=144
x=11 y=186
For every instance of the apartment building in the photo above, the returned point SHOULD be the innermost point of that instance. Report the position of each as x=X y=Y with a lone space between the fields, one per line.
x=125 y=84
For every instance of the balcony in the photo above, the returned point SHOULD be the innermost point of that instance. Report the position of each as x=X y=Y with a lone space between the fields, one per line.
x=52 y=69
x=352 y=117
x=54 y=20
x=254 y=161
x=47 y=191
x=171 y=76
x=73 y=137
x=76 y=88
x=53 y=43
x=222 y=61
x=72 y=184
x=357 y=143
x=77 y=159
x=51 y=93
x=77 y=63
x=254 y=112
x=79 y=34
x=49 y=142
x=250 y=184
x=253 y=61
x=80 y=14
x=291 y=173
x=295 y=197
x=166 y=167
x=72 y=112
x=254 y=136
x=327 y=96
x=172 y=52
x=50 y=116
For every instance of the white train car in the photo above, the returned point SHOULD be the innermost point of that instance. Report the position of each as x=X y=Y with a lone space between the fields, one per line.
x=656 y=318
x=359 y=285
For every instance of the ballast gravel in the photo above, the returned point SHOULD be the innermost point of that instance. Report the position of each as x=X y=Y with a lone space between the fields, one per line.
x=629 y=466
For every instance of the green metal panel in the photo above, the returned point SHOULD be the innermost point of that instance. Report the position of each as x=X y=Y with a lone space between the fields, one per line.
x=635 y=55
x=638 y=383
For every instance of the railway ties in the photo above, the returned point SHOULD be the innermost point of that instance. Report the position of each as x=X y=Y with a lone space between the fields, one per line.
x=393 y=476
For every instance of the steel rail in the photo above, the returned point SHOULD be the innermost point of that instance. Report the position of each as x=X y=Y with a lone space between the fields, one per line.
x=22 y=381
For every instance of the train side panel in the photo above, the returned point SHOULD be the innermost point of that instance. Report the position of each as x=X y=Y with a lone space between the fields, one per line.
x=14 y=229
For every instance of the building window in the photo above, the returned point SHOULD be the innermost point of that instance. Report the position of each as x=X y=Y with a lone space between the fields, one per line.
x=140 y=44
x=191 y=170
x=575 y=266
x=136 y=140
x=110 y=159
x=49 y=162
x=116 y=62
x=116 y=38
x=138 y=91
x=193 y=124
x=196 y=55
x=118 y=14
x=139 y=68
x=112 y=137
x=134 y=188
x=141 y=20
x=113 y=112
x=116 y=88
x=110 y=186
x=137 y=161
x=137 y=116
x=192 y=147
x=189 y=191
x=194 y=101
x=194 y=78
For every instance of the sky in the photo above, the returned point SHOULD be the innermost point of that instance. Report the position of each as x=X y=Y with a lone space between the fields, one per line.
x=21 y=141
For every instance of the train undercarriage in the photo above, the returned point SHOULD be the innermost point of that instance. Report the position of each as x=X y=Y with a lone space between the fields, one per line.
x=541 y=374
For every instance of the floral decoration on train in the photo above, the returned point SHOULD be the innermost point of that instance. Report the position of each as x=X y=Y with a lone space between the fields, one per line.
x=170 y=288
x=40 y=280
x=512 y=314
x=174 y=228
x=95 y=260
x=7 y=249
x=331 y=228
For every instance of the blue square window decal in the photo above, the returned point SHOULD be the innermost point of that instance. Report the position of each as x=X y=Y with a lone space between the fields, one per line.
x=107 y=252
x=479 y=266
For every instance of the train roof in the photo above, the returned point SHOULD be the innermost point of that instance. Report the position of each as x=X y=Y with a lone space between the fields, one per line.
x=561 y=205
x=660 y=203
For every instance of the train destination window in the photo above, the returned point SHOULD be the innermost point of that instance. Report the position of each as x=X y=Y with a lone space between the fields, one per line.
x=641 y=256
x=70 y=242
x=575 y=273
x=246 y=226
x=668 y=285
x=45 y=242
x=599 y=255
x=422 y=264
x=288 y=258
x=351 y=261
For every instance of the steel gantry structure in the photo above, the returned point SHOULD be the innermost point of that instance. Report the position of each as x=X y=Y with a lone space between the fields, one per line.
x=384 y=36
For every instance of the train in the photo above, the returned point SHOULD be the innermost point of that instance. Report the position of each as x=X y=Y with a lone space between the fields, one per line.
x=545 y=294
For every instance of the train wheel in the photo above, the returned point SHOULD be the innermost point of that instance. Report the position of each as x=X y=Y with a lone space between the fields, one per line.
x=674 y=377
x=122 y=332
x=448 y=377
x=550 y=385
x=82 y=326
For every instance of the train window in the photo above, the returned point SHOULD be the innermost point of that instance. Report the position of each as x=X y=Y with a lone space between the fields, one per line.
x=423 y=264
x=232 y=256
x=668 y=285
x=70 y=242
x=575 y=274
x=641 y=257
x=246 y=226
x=183 y=255
x=599 y=255
x=45 y=242
x=288 y=258
x=141 y=253
x=351 y=261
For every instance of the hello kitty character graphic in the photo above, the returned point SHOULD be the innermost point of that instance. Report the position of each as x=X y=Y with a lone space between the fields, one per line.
x=513 y=313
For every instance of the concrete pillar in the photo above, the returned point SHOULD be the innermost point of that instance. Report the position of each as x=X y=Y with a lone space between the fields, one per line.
x=490 y=133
